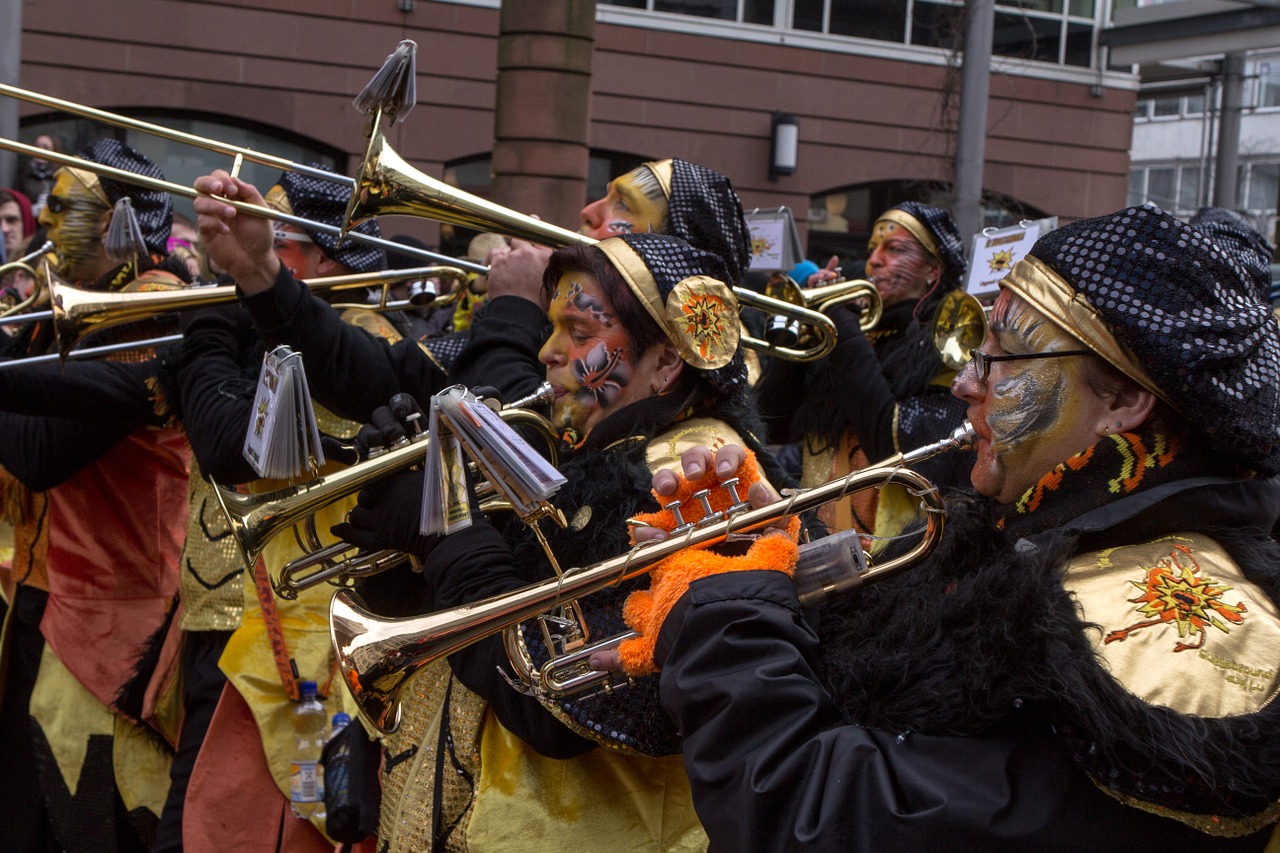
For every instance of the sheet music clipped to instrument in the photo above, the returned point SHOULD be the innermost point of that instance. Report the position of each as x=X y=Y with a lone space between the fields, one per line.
x=283 y=440
x=458 y=423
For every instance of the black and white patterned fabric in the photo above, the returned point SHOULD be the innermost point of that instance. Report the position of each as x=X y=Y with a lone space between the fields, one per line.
x=1240 y=242
x=152 y=208
x=947 y=235
x=1191 y=319
x=671 y=260
x=326 y=202
x=704 y=211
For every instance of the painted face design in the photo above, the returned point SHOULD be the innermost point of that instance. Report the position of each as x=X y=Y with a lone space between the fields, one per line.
x=634 y=203
x=898 y=265
x=73 y=218
x=587 y=356
x=1030 y=415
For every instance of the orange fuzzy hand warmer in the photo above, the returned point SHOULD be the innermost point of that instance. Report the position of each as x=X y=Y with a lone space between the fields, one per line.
x=645 y=610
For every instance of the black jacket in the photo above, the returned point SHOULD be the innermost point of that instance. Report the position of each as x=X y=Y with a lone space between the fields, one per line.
x=778 y=761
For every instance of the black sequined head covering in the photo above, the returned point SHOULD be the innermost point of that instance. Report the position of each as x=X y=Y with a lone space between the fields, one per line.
x=152 y=207
x=704 y=211
x=684 y=291
x=326 y=202
x=1184 y=313
x=1240 y=242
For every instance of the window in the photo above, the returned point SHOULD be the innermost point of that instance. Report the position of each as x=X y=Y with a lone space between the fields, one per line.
x=181 y=163
x=1161 y=186
x=1269 y=83
x=1058 y=31
x=1264 y=182
x=1189 y=191
x=746 y=11
x=1166 y=106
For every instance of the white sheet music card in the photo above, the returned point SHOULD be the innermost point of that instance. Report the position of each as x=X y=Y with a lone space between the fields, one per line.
x=445 y=504
x=283 y=440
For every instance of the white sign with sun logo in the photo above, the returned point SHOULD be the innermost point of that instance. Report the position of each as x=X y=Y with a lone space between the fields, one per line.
x=996 y=250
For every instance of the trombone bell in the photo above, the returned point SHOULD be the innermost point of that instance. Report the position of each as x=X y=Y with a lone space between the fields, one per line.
x=388 y=185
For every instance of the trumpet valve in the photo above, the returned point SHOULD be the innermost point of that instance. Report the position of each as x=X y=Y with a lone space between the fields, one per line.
x=681 y=525
x=738 y=505
x=709 y=515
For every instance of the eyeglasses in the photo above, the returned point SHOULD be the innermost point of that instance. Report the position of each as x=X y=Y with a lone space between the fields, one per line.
x=982 y=362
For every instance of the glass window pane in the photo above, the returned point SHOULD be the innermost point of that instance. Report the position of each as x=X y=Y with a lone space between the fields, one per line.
x=1269 y=84
x=1160 y=186
x=1081 y=8
x=885 y=20
x=1264 y=181
x=1189 y=188
x=935 y=25
x=725 y=10
x=1167 y=106
x=1194 y=105
x=758 y=12
x=807 y=15
x=1079 y=45
x=1034 y=5
x=1137 y=193
x=630 y=4
x=1142 y=108
x=1026 y=37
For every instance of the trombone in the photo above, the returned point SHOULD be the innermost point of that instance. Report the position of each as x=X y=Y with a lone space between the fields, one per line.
x=257 y=519
x=78 y=313
x=378 y=656
x=170 y=187
x=387 y=184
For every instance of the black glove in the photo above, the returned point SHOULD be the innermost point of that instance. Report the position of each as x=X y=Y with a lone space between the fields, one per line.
x=388 y=514
x=390 y=426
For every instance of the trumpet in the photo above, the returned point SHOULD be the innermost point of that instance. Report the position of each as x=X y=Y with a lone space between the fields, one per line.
x=257 y=519
x=378 y=656
x=798 y=341
x=25 y=264
x=78 y=313
x=959 y=326
x=387 y=184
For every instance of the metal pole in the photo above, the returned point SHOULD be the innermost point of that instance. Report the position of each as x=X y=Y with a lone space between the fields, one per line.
x=10 y=72
x=1228 y=160
x=971 y=134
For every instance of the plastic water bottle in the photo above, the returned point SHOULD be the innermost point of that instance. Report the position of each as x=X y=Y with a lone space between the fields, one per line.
x=306 y=779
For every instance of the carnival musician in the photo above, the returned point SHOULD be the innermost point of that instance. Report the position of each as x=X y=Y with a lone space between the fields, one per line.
x=882 y=391
x=98 y=502
x=1089 y=658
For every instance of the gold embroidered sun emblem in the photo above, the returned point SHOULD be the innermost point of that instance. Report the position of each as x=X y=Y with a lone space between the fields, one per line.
x=1001 y=261
x=704 y=322
x=1175 y=593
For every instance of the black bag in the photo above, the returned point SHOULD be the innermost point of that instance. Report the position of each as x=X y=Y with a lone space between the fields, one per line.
x=352 y=792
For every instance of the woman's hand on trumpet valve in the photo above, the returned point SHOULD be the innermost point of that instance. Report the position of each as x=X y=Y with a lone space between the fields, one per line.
x=241 y=244
x=774 y=549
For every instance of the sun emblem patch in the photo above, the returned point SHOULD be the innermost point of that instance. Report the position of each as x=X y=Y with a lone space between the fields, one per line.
x=703 y=314
x=1175 y=593
x=704 y=322
x=1001 y=261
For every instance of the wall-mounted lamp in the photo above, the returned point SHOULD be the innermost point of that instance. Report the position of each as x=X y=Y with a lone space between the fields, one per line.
x=784 y=142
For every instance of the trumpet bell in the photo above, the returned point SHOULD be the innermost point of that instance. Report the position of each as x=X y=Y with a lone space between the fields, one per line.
x=959 y=326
